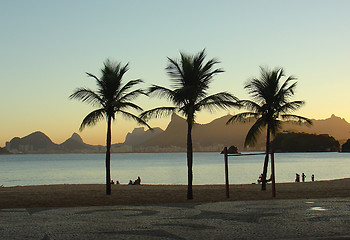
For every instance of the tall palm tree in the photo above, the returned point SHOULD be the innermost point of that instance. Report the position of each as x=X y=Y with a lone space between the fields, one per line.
x=111 y=97
x=270 y=107
x=190 y=77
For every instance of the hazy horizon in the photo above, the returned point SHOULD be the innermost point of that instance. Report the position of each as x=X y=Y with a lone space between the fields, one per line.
x=145 y=129
x=48 y=46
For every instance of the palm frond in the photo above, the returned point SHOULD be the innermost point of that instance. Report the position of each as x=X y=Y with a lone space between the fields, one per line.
x=291 y=106
x=111 y=80
x=216 y=105
x=157 y=112
x=192 y=71
x=175 y=71
x=221 y=96
x=286 y=91
x=275 y=126
x=114 y=68
x=206 y=72
x=138 y=119
x=162 y=92
x=222 y=100
x=93 y=76
x=127 y=86
x=132 y=95
x=119 y=106
x=209 y=76
x=251 y=105
x=296 y=119
x=243 y=117
x=92 y=118
x=87 y=95
x=254 y=132
x=256 y=88
x=288 y=80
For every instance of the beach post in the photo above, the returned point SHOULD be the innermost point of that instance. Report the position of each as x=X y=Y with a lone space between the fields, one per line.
x=273 y=174
x=226 y=173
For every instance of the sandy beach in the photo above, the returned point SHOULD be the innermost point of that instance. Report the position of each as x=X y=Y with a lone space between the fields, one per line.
x=73 y=195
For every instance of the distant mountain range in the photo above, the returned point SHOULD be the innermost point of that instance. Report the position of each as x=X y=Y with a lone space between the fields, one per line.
x=38 y=142
x=215 y=135
x=212 y=136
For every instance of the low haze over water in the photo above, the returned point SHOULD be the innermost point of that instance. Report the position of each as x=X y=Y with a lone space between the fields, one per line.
x=165 y=168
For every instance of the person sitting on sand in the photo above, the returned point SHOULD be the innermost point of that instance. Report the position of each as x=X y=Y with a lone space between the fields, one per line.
x=138 y=181
x=260 y=179
x=117 y=182
x=112 y=182
x=130 y=182
x=267 y=180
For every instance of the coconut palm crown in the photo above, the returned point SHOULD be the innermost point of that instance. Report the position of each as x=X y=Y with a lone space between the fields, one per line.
x=270 y=106
x=110 y=98
x=190 y=77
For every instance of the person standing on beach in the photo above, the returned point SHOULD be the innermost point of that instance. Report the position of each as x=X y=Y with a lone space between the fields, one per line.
x=303 y=177
x=312 y=177
x=297 y=177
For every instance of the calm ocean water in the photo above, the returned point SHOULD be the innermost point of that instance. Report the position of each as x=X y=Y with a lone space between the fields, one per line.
x=165 y=168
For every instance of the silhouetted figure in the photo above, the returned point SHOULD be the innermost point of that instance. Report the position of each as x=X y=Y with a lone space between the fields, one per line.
x=303 y=177
x=313 y=177
x=297 y=177
x=267 y=180
x=112 y=182
x=138 y=181
x=117 y=182
x=130 y=182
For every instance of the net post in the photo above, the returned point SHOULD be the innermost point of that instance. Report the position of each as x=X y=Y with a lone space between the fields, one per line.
x=226 y=174
x=273 y=174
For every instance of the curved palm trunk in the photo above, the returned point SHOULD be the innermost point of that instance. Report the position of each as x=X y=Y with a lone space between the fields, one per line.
x=266 y=162
x=189 y=160
x=108 y=156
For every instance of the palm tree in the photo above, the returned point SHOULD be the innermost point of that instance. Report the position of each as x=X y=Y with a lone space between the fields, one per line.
x=190 y=77
x=111 y=97
x=271 y=105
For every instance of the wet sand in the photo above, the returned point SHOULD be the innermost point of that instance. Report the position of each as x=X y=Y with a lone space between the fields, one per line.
x=73 y=195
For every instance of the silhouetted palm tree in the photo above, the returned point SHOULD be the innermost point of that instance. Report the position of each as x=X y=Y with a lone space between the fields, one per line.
x=111 y=97
x=190 y=77
x=271 y=105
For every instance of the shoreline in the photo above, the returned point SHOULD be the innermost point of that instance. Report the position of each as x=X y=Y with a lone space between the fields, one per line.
x=169 y=184
x=153 y=152
x=75 y=195
x=166 y=184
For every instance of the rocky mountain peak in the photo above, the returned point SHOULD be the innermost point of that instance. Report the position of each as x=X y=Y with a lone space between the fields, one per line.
x=76 y=137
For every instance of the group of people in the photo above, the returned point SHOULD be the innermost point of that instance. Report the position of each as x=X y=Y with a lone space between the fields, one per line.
x=136 y=182
x=303 y=176
x=112 y=182
x=297 y=178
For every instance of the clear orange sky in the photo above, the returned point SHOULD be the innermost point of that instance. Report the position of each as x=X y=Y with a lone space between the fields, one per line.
x=47 y=46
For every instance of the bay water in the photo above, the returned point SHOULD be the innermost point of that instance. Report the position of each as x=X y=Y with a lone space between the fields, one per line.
x=165 y=168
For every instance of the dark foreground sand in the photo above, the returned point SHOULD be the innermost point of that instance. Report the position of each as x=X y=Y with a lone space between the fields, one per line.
x=69 y=195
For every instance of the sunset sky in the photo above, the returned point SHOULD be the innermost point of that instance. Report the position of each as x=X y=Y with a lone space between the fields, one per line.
x=47 y=46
